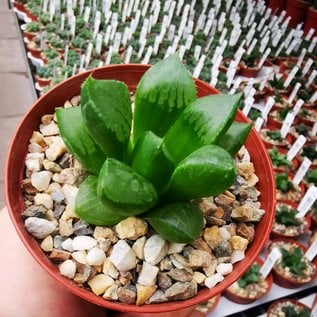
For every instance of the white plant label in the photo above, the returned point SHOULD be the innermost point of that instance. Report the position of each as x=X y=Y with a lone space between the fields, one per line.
x=258 y=123
x=97 y=23
x=189 y=41
x=301 y=57
x=147 y=56
x=291 y=76
x=214 y=77
x=128 y=55
x=307 y=202
x=307 y=66
x=302 y=170
x=287 y=124
x=311 y=252
x=109 y=55
x=294 y=93
x=312 y=44
x=87 y=14
x=268 y=106
x=309 y=34
x=296 y=147
x=62 y=21
x=251 y=47
x=314 y=129
x=73 y=25
x=246 y=109
x=182 y=50
x=88 y=54
x=117 y=41
x=66 y=54
x=98 y=43
x=311 y=78
x=270 y=261
x=264 y=57
x=199 y=66
x=313 y=98
x=82 y=61
x=236 y=85
x=297 y=106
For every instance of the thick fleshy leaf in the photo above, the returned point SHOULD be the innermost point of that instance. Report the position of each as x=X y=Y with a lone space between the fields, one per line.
x=106 y=109
x=206 y=172
x=203 y=122
x=120 y=187
x=179 y=222
x=148 y=160
x=78 y=140
x=162 y=94
x=89 y=207
x=235 y=137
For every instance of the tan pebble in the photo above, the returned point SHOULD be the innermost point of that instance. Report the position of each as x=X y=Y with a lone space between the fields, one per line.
x=59 y=255
x=219 y=213
x=100 y=283
x=66 y=227
x=131 y=228
x=144 y=293
x=246 y=231
x=138 y=247
x=43 y=199
x=47 y=244
x=47 y=118
x=35 y=148
x=201 y=244
x=69 y=213
x=253 y=180
x=56 y=149
x=211 y=269
x=212 y=236
x=111 y=293
x=79 y=279
x=67 y=104
x=49 y=129
x=107 y=233
x=80 y=256
x=245 y=169
x=38 y=138
x=75 y=100
x=242 y=213
x=239 y=243
x=198 y=258
x=104 y=244
x=110 y=269
x=179 y=261
x=49 y=215
x=199 y=277
x=51 y=166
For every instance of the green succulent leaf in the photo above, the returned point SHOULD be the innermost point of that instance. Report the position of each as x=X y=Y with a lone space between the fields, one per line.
x=78 y=140
x=206 y=172
x=178 y=222
x=106 y=109
x=203 y=122
x=294 y=261
x=252 y=275
x=235 y=137
x=89 y=207
x=120 y=187
x=162 y=94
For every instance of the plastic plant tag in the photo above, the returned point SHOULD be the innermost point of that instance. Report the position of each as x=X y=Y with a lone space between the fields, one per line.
x=287 y=124
x=314 y=129
x=264 y=57
x=87 y=14
x=313 y=98
x=258 y=123
x=88 y=54
x=301 y=57
x=294 y=92
x=309 y=34
x=298 y=144
x=311 y=78
x=307 y=66
x=311 y=251
x=307 y=201
x=301 y=172
x=268 y=264
x=290 y=76
x=268 y=106
x=312 y=44
x=297 y=106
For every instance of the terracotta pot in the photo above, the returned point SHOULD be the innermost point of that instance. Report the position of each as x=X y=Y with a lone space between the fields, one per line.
x=42 y=82
x=205 y=308
x=297 y=10
x=130 y=74
x=250 y=72
x=247 y=300
x=274 y=122
x=289 y=282
x=34 y=50
x=310 y=121
x=20 y=6
x=311 y=20
x=273 y=306
x=277 y=6
x=269 y=144
x=278 y=235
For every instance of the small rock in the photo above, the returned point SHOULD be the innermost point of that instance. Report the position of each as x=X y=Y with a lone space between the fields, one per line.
x=70 y=193
x=56 y=149
x=199 y=277
x=242 y=213
x=104 y=244
x=223 y=249
x=50 y=216
x=80 y=256
x=164 y=281
x=239 y=243
x=41 y=180
x=131 y=228
x=37 y=138
x=65 y=160
x=27 y=186
x=58 y=240
x=225 y=234
x=100 y=283
x=59 y=209
x=66 y=227
x=214 y=221
x=245 y=169
x=201 y=244
x=144 y=293
x=237 y=256
x=82 y=228
x=158 y=297
x=127 y=294
x=155 y=249
x=43 y=199
x=49 y=129
x=47 y=118
x=213 y=280
x=69 y=176
x=179 y=261
x=122 y=256
x=212 y=236
x=59 y=255
x=180 y=275
x=38 y=211
x=68 y=213
x=33 y=162
x=224 y=259
x=110 y=269
x=175 y=248
x=166 y=264
x=218 y=213
x=211 y=269
x=38 y=227
x=68 y=245
x=225 y=202
x=52 y=166
x=68 y=268
x=95 y=256
x=138 y=248
x=84 y=243
x=181 y=291
x=198 y=258
x=75 y=101
x=47 y=244
x=206 y=205
x=224 y=268
x=111 y=293
x=148 y=274
x=104 y=232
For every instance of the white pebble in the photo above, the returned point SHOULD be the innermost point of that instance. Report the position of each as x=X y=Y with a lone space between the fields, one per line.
x=95 y=256
x=122 y=256
x=43 y=199
x=224 y=268
x=155 y=249
x=56 y=149
x=84 y=243
x=57 y=196
x=35 y=148
x=225 y=234
x=39 y=227
x=213 y=280
x=33 y=162
x=70 y=193
x=68 y=268
x=68 y=245
x=175 y=248
x=41 y=180
x=237 y=256
x=49 y=129
x=148 y=274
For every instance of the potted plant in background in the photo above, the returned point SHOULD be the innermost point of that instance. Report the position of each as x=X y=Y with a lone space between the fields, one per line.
x=44 y=75
x=288 y=307
x=131 y=75
x=31 y=30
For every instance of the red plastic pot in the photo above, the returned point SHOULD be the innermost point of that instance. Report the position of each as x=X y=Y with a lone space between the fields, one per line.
x=250 y=72
x=130 y=74
x=42 y=82
x=34 y=50
x=270 y=312
x=282 y=169
x=247 y=300
x=277 y=6
x=311 y=20
x=270 y=144
x=297 y=10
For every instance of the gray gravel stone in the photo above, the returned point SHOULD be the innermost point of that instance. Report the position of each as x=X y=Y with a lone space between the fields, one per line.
x=34 y=211
x=38 y=227
x=181 y=291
